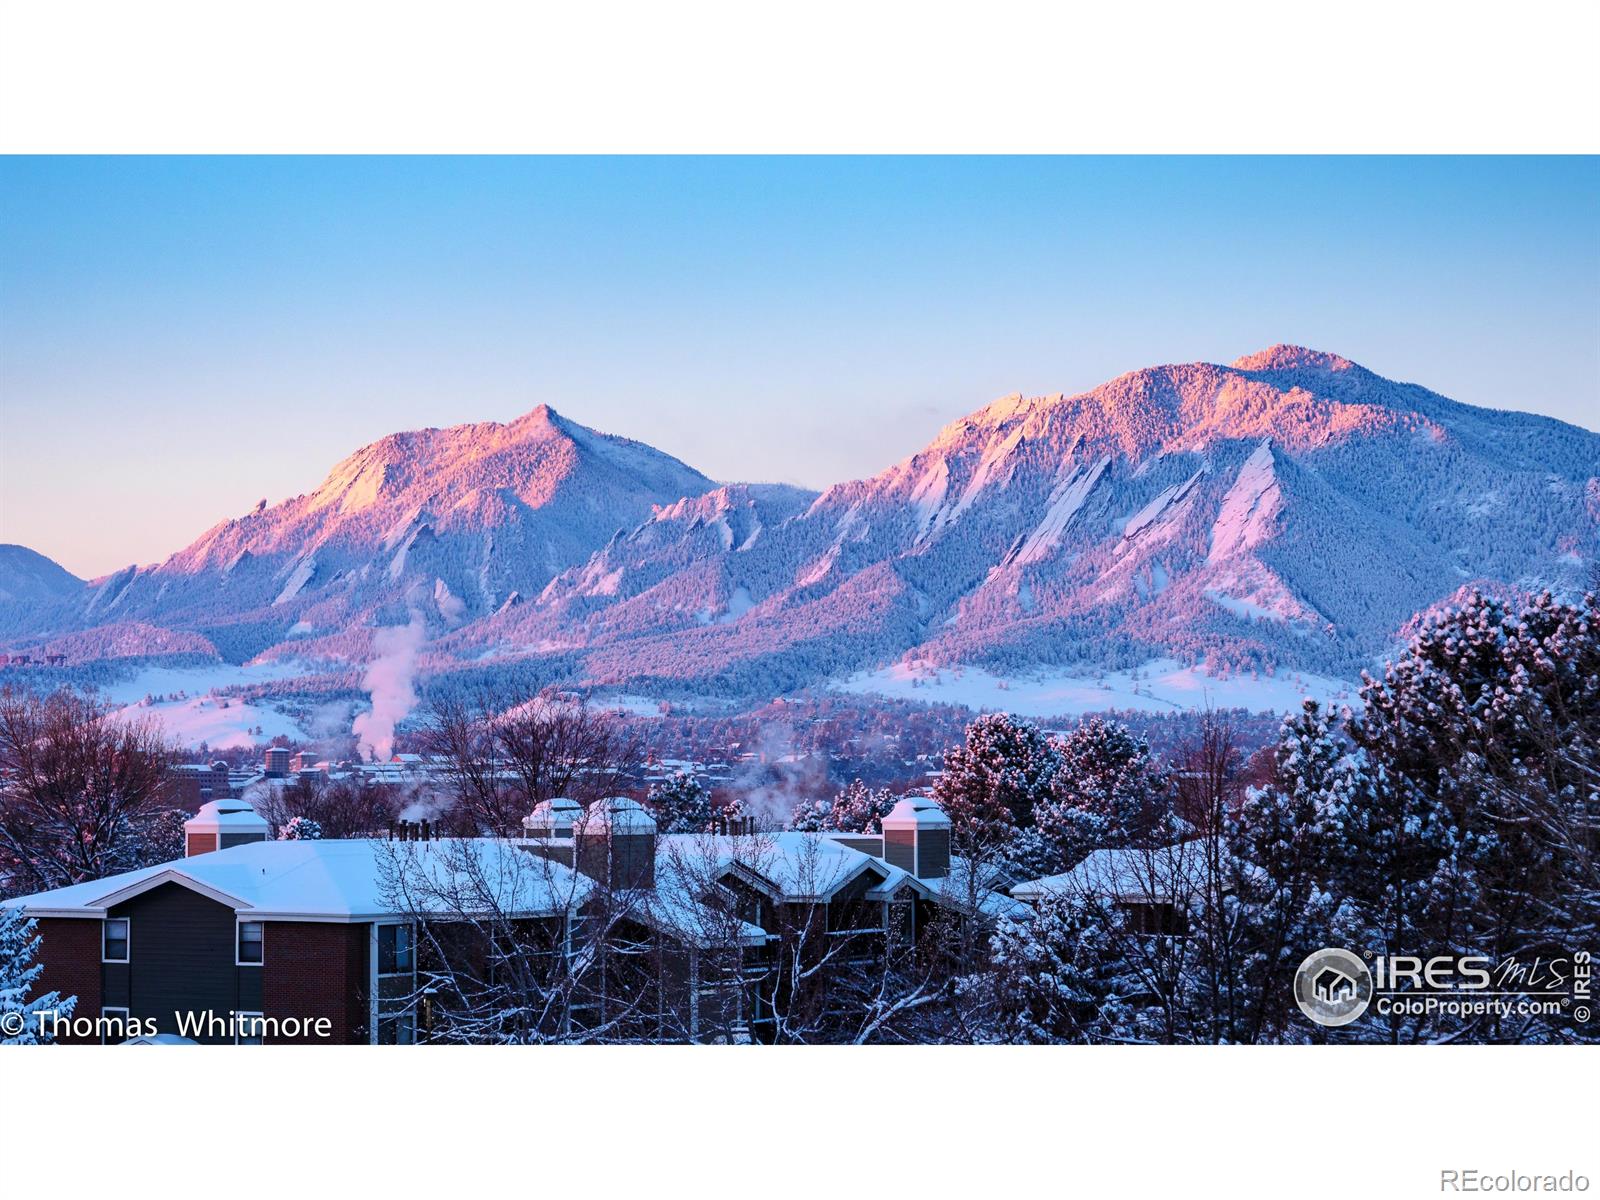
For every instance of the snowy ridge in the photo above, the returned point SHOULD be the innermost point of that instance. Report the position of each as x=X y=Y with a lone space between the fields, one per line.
x=1289 y=512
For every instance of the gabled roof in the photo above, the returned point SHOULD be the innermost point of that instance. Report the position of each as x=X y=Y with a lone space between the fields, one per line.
x=1164 y=873
x=669 y=908
x=956 y=890
x=797 y=868
x=339 y=880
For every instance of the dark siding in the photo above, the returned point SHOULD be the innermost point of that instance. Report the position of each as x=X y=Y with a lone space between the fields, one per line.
x=867 y=843
x=934 y=851
x=625 y=861
x=250 y=989
x=633 y=861
x=116 y=984
x=181 y=956
x=241 y=839
x=900 y=847
x=855 y=889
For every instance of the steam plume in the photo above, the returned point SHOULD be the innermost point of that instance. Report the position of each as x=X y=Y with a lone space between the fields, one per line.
x=389 y=682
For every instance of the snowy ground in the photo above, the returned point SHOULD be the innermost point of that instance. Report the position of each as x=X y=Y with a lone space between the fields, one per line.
x=1159 y=686
x=634 y=706
x=221 y=723
x=197 y=681
x=196 y=715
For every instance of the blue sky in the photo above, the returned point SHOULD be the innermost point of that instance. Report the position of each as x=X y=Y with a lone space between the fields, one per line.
x=180 y=338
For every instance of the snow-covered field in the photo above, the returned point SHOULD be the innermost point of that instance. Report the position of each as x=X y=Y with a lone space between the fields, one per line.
x=197 y=681
x=218 y=721
x=194 y=715
x=1158 y=686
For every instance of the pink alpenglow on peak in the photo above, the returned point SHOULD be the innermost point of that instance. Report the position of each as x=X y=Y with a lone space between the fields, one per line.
x=1287 y=357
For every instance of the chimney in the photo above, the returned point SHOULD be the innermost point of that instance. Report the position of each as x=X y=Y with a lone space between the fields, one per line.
x=916 y=837
x=616 y=843
x=554 y=818
x=220 y=824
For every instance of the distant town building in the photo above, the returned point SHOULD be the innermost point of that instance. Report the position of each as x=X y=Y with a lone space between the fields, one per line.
x=275 y=762
x=189 y=785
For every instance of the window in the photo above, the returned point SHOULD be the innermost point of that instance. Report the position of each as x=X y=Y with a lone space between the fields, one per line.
x=248 y=1030
x=1157 y=918
x=114 y=944
x=113 y=1026
x=396 y=955
x=250 y=944
x=398 y=1030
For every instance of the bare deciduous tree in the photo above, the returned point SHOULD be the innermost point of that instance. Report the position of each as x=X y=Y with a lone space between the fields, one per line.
x=82 y=789
x=503 y=756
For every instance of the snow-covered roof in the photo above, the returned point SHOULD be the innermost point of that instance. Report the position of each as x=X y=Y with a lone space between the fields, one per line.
x=916 y=812
x=811 y=867
x=799 y=867
x=338 y=880
x=233 y=815
x=555 y=813
x=1160 y=874
x=956 y=890
x=619 y=814
x=670 y=908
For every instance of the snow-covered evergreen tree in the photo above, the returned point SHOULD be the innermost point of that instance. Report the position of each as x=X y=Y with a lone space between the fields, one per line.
x=1108 y=792
x=811 y=816
x=19 y=943
x=1029 y=854
x=681 y=804
x=1281 y=847
x=300 y=829
x=1484 y=737
x=860 y=809
x=1053 y=975
x=994 y=780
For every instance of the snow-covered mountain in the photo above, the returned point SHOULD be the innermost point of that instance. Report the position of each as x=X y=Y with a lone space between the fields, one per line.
x=29 y=578
x=453 y=523
x=1290 y=510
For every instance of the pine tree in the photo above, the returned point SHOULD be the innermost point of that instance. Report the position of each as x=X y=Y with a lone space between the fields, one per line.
x=1108 y=792
x=19 y=943
x=992 y=783
x=1484 y=834
x=1283 y=843
x=681 y=804
x=859 y=809
x=811 y=816
x=1054 y=979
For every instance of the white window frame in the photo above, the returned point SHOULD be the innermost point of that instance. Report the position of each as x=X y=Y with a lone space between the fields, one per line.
x=375 y=1015
x=238 y=938
x=105 y=1013
x=127 y=940
x=237 y=1029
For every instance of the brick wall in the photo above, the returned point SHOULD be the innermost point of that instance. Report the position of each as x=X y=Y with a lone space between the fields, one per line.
x=317 y=970
x=69 y=949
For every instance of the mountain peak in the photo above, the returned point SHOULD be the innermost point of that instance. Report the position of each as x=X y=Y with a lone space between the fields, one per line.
x=1289 y=357
x=542 y=415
